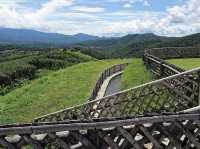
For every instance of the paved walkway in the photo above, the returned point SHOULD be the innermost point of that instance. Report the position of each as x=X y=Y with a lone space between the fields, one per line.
x=105 y=84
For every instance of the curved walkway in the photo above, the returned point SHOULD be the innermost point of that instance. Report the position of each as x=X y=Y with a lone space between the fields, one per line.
x=104 y=87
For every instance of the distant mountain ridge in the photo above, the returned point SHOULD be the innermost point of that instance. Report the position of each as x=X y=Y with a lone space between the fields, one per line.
x=126 y=46
x=25 y=36
x=134 y=44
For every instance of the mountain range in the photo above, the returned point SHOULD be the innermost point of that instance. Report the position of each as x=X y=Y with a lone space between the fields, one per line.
x=25 y=36
x=100 y=47
x=134 y=44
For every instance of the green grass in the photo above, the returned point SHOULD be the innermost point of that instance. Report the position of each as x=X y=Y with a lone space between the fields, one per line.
x=56 y=91
x=187 y=63
x=135 y=74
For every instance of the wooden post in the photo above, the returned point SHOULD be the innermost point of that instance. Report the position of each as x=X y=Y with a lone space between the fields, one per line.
x=161 y=70
x=198 y=79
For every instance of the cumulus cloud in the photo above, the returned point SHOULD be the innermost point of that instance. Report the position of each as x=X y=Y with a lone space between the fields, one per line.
x=52 y=6
x=64 y=16
x=177 y=21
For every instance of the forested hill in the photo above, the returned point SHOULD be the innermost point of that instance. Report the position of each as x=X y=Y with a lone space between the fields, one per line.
x=100 y=48
x=134 y=45
x=25 y=36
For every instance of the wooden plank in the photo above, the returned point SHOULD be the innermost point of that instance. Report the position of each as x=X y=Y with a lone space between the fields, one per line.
x=129 y=137
x=59 y=142
x=150 y=137
x=108 y=140
x=84 y=140
x=190 y=136
x=6 y=144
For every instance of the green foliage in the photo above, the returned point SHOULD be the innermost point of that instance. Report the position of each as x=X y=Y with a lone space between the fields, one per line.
x=135 y=74
x=16 y=66
x=58 y=90
x=134 y=45
x=48 y=63
x=98 y=54
x=59 y=59
x=17 y=69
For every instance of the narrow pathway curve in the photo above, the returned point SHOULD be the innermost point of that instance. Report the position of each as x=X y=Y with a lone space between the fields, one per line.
x=108 y=87
x=114 y=85
x=103 y=90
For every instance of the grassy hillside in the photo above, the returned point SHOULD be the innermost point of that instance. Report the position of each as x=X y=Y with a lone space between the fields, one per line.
x=58 y=90
x=16 y=67
x=135 y=74
x=187 y=63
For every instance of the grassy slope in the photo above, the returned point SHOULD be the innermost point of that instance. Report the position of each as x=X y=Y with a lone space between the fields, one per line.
x=187 y=63
x=135 y=74
x=58 y=90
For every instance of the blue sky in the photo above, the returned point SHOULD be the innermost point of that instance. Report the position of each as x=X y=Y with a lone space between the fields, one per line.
x=103 y=17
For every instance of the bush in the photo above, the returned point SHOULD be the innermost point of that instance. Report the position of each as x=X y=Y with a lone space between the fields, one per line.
x=14 y=70
x=48 y=63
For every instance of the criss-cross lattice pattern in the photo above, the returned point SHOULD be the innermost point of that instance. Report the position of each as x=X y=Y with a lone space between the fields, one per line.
x=171 y=94
x=160 y=132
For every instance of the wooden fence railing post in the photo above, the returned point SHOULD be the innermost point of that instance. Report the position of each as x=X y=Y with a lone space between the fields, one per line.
x=162 y=73
x=198 y=79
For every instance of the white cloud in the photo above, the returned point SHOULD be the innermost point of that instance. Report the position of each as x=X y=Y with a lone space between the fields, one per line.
x=52 y=6
x=88 y=9
x=131 y=2
x=146 y=3
x=177 y=21
x=64 y=16
x=127 y=5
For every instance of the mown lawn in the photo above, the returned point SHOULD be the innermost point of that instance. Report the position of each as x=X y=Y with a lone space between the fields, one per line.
x=135 y=74
x=187 y=63
x=56 y=91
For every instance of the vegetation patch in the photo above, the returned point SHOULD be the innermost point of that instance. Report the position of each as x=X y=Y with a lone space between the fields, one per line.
x=15 y=68
x=186 y=63
x=58 y=90
x=135 y=74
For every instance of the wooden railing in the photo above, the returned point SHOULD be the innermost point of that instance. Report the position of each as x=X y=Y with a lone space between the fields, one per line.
x=105 y=74
x=174 y=52
x=172 y=94
x=159 y=132
x=152 y=115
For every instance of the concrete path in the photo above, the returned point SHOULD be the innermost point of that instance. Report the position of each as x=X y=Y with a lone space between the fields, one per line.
x=105 y=84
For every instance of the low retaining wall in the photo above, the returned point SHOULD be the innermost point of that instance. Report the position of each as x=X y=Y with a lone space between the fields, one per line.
x=105 y=74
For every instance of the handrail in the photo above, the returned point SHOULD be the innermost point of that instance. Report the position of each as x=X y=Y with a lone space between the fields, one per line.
x=159 y=131
x=106 y=73
x=94 y=124
x=84 y=109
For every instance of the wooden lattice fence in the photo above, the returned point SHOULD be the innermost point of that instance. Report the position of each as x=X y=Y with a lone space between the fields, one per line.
x=160 y=132
x=162 y=114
